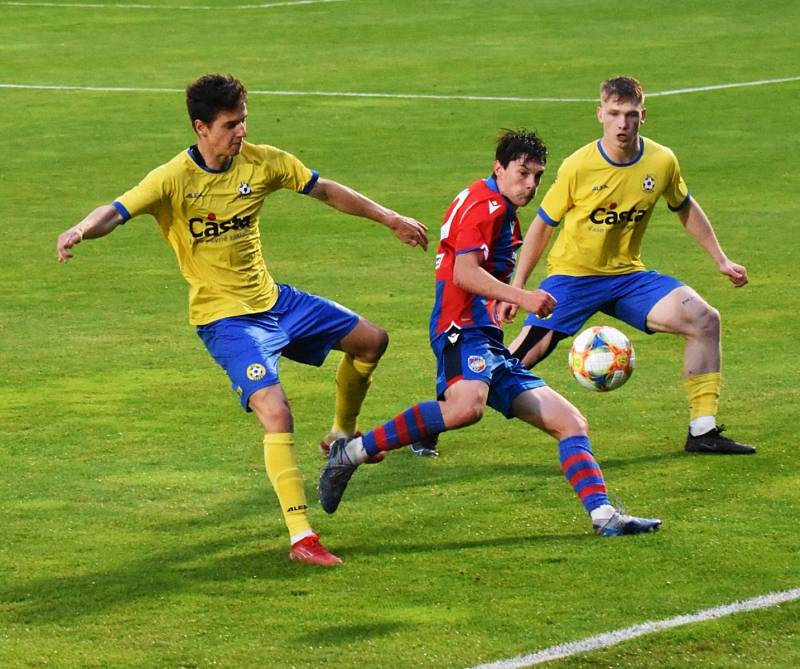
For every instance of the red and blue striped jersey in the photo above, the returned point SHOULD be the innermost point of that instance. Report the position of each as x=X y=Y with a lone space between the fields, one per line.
x=480 y=219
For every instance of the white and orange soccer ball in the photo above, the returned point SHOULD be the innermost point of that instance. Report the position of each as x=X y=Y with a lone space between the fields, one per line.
x=601 y=358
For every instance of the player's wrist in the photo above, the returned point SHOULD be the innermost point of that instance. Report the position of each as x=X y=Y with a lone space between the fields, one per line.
x=81 y=229
x=389 y=218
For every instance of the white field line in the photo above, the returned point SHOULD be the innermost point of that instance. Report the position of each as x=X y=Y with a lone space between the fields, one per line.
x=719 y=87
x=90 y=5
x=330 y=94
x=612 y=638
x=399 y=96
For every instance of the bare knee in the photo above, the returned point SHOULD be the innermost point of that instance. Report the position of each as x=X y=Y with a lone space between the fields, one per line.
x=378 y=344
x=570 y=423
x=271 y=406
x=367 y=342
x=463 y=412
x=706 y=323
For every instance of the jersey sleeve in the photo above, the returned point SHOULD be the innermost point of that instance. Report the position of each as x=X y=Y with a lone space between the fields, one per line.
x=477 y=228
x=676 y=193
x=288 y=171
x=559 y=198
x=145 y=198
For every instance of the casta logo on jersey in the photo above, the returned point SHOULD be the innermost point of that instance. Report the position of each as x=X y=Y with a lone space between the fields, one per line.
x=611 y=216
x=211 y=227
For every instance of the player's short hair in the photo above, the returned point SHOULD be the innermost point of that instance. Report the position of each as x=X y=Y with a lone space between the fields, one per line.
x=625 y=89
x=213 y=93
x=515 y=144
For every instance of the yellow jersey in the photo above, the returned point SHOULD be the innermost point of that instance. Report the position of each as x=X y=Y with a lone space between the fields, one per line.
x=210 y=218
x=606 y=206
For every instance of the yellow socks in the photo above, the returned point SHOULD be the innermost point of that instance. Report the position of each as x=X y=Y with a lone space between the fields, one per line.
x=703 y=391
x=288 y=483
x=353 y=378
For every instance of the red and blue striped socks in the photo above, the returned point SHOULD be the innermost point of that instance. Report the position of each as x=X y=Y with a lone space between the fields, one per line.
x=420 y=421
x=583 y=472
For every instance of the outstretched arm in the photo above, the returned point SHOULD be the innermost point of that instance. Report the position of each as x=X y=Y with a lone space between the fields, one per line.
x=536 y=240
x=696 y=222
x=97 y=224
x=470 y=276
x=407 y=230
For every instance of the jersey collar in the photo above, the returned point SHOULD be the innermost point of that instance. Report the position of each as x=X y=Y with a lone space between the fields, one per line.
x=197 y=157
x=631 y=162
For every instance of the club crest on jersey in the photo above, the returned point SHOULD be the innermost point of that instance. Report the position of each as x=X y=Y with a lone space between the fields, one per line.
x=245 y=190
x=649 y=184
x=476 y=363
x=256 y=371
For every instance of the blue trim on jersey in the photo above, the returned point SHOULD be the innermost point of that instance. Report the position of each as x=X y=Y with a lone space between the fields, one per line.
x=311 y=182
x=546 y=218
x=121 y=210
x=611 y=162
x=472 y=250
x=682 y=204
x=198 y=159
x=436 y=312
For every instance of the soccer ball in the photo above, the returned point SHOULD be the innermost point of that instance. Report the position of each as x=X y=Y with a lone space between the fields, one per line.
x=601 y=358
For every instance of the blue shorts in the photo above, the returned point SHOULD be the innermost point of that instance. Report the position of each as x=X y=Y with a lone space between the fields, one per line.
x=301 y=326
x=477 y=354
x=628 y=297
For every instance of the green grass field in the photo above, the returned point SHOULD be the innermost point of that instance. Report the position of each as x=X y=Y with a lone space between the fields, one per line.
x=138 y=527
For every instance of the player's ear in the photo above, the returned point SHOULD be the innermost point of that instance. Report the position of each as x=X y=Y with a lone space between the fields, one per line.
x=644 y=114
x=200 y=127
x=600 y=113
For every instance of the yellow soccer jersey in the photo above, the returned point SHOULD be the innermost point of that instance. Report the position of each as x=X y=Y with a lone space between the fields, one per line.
x=606 y=207
x=210 y=218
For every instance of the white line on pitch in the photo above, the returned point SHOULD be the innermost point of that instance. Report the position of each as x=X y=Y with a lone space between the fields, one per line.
x=330 y=94
x=718 y=87
x=398 y=96
x=612 y=638
x=89 y=5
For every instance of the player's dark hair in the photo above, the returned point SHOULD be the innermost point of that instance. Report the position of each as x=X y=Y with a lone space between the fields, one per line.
x=213 y=93
x=622 y=88
x=515 y=144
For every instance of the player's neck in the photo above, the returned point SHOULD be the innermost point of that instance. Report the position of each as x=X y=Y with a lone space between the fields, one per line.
x=211 y=159
x=620 y=153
